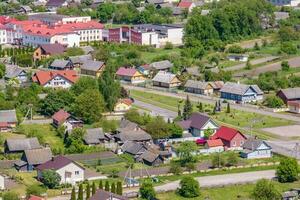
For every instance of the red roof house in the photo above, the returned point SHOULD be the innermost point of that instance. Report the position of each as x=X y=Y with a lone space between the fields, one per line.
x=186 y=5
x=214 y=143
x=57 y=78
x=230 y=137
x=62 y=117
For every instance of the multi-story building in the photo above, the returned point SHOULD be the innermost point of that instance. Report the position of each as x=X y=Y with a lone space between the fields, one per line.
x=54 y=19
x=3 y=34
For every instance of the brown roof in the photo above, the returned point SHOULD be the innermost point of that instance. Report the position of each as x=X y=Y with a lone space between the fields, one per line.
x=61 y=116
x=104 y=195
x=53 y=49
x=56 y=163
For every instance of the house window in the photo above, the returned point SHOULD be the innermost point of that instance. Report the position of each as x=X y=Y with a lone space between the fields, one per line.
x=234 y=144
x=242 y=142
x=76 y=172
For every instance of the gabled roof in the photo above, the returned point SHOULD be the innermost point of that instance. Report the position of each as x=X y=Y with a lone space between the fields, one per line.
x=55 y=3
x=291 y=93
x=12 y=71
x=92 y=65
x=149 y=156
x=8 y=116
x=22 y=144
x=253 y=144
x=59 y=63
x=214 y=143
x=104 y=195
x=161 y=65
x=164 y=77
x=43 y=77
x=127 y=125
x=133 y=148
x=197 y=120
x=80 y=59
x=126 y=101
x=123 y=71
x=87 y=49
x=239 y=89
x=57 y=163
x=61 y=116
x=93 y=136
x=53 y=49
x=197 y=84
x=185 y=4
x=38 y=156
x=226 y=133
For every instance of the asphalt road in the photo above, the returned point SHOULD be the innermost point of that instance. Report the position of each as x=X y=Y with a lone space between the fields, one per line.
x=209 y=100
x=218 y=180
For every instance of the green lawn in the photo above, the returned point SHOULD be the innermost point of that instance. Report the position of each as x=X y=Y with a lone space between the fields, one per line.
x=233 y=192
x=45 y=133
x=237 y=119
x=149 y=56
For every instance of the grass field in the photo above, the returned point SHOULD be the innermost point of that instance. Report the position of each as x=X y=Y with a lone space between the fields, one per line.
x=233 y=192
x=149 y=56
x=236 y=118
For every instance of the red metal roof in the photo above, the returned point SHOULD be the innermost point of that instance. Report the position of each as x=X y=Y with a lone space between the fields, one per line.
x=226 y=133
x=43 y=77
x=185 y=4
x=123 y=71
x=214 y=143
x=61 y=116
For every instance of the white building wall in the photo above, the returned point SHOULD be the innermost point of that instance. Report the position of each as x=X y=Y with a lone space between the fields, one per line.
x=77 y=174
x=90 y=35
x=175 y=36
x=71 y=39
x=2 y=184
x=76 y=19
x=3 y=36
x=58 y=82
x=150 y=38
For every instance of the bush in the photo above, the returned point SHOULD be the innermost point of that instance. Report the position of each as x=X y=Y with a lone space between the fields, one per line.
x=265 y=190
x=147 y=191
x=10 y=196
x=50 y=178
x=273 y=102
x=189 y=187
x=285 y=65
x=288 y=48
x=288 y=170
x=35 y=190
x=235 y=49
x=169 y=45
x=217 y=160
x=175 y=168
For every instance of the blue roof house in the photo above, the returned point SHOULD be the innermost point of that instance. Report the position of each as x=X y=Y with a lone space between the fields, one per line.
x=241 y=93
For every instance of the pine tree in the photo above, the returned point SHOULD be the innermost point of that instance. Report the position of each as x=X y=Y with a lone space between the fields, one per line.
x=88 y=191
x=80 y=192
x=113 y=188
x=94 y=188
x=200 y=107
x=187 y=109
x=73 y=194
x=106 y=186
x=101 y=185
x=119 y=188
x=228 y=108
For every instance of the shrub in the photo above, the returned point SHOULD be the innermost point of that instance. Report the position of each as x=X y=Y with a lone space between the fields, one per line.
x=189 y=187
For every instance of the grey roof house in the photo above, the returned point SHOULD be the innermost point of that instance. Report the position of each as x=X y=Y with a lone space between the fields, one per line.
x=15 y=72
x=77 y=61
x=87 y=49
x=254 y=148
x=32 y=158
x=133 y=148
x=164 y=65
x=8 y=120
x=20 y=145
x=92 y=68
x=165 y=79
x=241 y=93
x=199 y=87
x=94 y=136
x=289 y=94
x=61 y=65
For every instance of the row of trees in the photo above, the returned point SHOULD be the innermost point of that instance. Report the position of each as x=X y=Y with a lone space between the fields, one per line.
x=91 y=189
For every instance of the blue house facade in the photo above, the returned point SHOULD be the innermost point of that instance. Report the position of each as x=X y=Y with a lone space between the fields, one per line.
x=254 y=149
x=241 y=93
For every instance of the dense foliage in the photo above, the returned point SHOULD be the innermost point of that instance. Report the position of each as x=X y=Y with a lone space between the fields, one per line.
x=50 y=179
x=287 y=170
x=189 y=187
x=265 y=190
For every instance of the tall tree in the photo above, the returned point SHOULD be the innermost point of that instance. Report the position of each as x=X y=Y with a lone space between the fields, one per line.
x=89 y=106
x=185 y=151
x=101 y=185
x=80 y=192
x=228 y=108
x=83 y=84
x=113 y=188
x=106 y=186
x=73 y=194
x=88 y=190
x=110 y=89
x=187 y=109
x=93 y=188
x=119 y=188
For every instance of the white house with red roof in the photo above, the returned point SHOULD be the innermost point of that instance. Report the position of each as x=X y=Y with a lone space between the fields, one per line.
x=232 y=139
x=186 y=4
x=55 y=79
x=213 y=146
x=69 y=171
x=123 y=105
x=129 y=74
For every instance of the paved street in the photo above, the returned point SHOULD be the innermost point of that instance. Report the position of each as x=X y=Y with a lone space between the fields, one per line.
x=210 y=100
